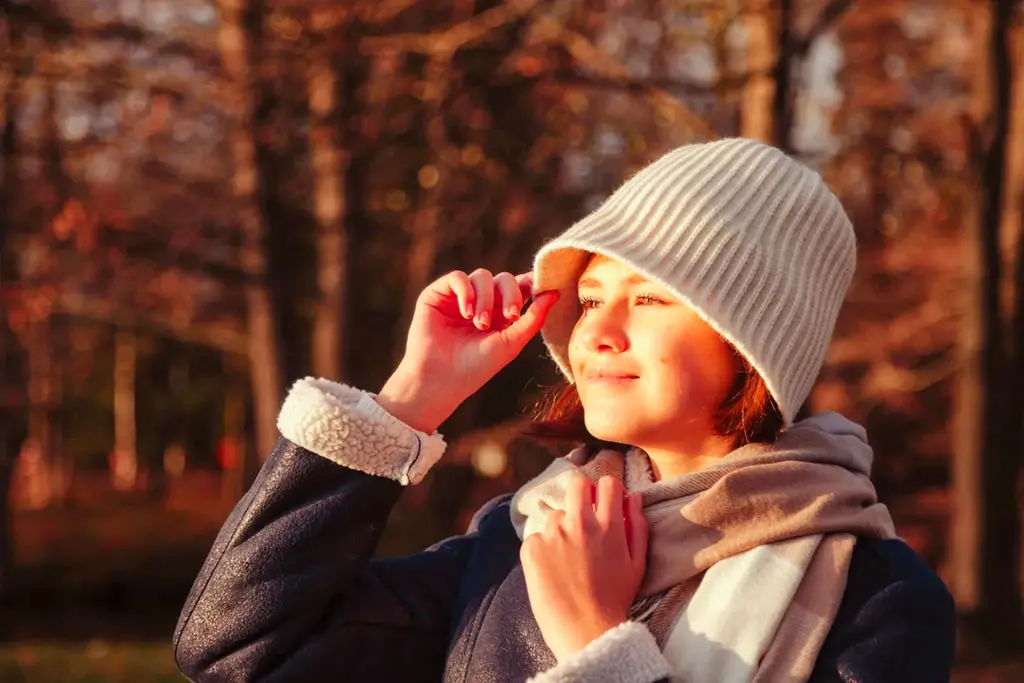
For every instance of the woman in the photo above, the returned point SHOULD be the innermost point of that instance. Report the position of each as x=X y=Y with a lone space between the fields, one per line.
x=699 y=534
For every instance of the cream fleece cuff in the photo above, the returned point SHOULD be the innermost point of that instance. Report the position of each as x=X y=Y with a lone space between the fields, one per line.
x=347 y=426
x=627 y=653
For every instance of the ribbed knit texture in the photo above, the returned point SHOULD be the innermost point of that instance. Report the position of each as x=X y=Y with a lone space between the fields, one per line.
x=751 y=239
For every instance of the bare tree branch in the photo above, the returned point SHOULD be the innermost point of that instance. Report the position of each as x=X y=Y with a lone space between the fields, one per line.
x=607 y=68
x=226 y=338
x=140 y=246
x=679 y=88
x=205 y=58
x=582 y=50
x=379 y=11
x=61 y=29
x=453 y=38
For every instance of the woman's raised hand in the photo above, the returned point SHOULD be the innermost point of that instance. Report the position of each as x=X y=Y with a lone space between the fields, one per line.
x=465 y=328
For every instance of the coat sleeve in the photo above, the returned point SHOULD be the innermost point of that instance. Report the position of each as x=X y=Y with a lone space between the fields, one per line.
x=289 y=592
x=627 y=653
x=904 y=633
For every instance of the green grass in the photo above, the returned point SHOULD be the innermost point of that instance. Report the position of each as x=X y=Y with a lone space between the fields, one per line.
x=93 y=662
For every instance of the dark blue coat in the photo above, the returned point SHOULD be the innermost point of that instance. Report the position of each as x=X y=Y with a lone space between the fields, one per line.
x=289 y=593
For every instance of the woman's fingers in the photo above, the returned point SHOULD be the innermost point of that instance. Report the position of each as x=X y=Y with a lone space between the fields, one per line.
x=523 y=330
x=461 y=286
x=525 y=282
x=608 y=507
x=483 y=288
x=636 y=533
x=553 y=522
x=579 y=501
x=484 y=297
x=510 y=296
x=440 y=293
x=481 y=296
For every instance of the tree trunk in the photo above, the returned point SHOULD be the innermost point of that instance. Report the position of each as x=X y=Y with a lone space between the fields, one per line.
x=7 y=176
x=773 y=54
x=39 y=449
x=39 y=444
x=125 y=461
x=986 y=531
x=967 y=519
x=784 y=95
x=424 y=222
x=233 y=444
x=238 y=31
x=63 y=466
x=168 y=465
x=1013 y=207
x=968 y=493
x=1002 y=541
x=757 y=102
x=6 y=452
x=330 y=163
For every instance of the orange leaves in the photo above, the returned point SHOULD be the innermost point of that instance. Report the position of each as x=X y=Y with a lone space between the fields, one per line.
x=25 y=307
x=529 y=66
x=74 y=221
x=159 y=115
x=284 y=26
x=82 y=224
x=69 y=220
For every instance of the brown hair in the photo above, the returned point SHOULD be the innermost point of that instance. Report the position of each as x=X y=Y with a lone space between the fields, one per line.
x=749 y=413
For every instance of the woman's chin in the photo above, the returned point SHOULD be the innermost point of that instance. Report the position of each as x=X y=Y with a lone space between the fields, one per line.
x=610 y=428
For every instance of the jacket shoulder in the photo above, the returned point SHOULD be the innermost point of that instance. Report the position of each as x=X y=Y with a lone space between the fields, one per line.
x=879 y=563
x=896 y=620
x=491 y=510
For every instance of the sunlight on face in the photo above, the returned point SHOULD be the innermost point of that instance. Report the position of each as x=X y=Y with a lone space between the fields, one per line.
x=646 y=366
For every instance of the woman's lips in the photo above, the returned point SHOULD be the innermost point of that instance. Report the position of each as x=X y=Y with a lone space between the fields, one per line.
x=610 y=379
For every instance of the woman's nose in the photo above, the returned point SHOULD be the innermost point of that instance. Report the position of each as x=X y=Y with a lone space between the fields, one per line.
x=603 y=329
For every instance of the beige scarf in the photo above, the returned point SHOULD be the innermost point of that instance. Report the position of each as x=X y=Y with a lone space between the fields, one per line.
x=747 y=560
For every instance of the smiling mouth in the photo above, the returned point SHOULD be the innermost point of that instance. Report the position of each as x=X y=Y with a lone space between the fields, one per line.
x=611 y=378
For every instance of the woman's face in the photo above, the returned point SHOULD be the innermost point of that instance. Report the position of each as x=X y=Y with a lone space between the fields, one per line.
x=647 y=368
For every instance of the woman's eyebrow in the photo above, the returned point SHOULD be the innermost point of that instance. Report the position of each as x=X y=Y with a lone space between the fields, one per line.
x=593 y=283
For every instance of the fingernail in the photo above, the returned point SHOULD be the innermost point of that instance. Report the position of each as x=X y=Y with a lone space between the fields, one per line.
x=467 y=309
x=484 y=318
x=512 y=313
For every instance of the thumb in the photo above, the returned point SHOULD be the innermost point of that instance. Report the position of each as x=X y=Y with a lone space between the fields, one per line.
x=522 y=331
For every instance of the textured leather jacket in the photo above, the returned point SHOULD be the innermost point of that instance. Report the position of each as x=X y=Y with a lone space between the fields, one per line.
x=289 y=592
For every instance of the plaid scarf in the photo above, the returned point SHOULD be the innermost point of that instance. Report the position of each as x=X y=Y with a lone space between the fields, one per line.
x=747 y=560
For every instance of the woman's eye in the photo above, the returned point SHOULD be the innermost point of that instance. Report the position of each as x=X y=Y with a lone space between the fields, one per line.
x=587 y=302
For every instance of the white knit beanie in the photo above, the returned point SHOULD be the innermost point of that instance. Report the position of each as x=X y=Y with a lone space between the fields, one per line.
x=749 y=238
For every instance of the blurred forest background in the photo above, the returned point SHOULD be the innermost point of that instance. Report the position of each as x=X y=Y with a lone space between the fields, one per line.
x=201 y=202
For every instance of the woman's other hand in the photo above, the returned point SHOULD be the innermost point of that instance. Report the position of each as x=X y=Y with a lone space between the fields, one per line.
x=584 y=569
